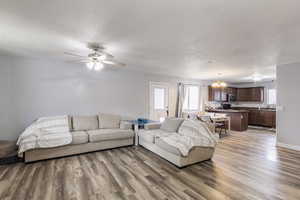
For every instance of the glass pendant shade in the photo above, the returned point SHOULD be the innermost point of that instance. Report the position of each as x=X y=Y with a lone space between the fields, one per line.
x=90 y=65
x=219 y=84
x=98 y=66
x=223 y=84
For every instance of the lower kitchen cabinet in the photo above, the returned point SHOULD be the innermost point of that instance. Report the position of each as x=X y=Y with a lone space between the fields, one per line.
x=262 y=118
x=253 y=117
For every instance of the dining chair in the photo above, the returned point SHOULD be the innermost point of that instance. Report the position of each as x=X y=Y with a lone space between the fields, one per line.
x=220 y=125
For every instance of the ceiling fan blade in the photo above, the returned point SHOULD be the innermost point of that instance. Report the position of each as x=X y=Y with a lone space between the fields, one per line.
x=110 y=62
x=78 y=61
x=109 y=56
x=73 y=54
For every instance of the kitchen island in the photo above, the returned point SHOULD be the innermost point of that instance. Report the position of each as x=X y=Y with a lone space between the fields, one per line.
x=238 y=118
x=264 y=117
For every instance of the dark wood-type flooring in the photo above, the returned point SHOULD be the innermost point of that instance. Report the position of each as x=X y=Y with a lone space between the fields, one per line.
x=8 y=148
x=245 y=166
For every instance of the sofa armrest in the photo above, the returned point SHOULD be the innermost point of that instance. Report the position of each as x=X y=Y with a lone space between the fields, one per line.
x=155 y=125
x=125 y=125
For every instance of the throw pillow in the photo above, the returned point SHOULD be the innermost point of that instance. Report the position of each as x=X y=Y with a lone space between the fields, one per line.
x=109 y=121
x=171 y=124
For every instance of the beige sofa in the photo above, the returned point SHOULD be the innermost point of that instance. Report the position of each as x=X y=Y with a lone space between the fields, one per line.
x=89 y=133
x=150 y=139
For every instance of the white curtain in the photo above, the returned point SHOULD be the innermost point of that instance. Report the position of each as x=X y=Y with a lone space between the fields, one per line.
x=203 y=97
x=181 y=93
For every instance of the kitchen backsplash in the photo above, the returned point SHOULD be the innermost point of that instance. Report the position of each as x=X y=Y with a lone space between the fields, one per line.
x=241 y=104
x=251 y=104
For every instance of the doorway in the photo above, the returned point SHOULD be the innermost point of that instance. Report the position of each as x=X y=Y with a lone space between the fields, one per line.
x=159 y=101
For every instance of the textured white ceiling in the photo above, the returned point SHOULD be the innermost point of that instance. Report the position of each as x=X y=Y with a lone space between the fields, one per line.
x=173 y=37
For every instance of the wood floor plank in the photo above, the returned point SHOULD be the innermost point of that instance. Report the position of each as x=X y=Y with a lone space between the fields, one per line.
x=246 y=165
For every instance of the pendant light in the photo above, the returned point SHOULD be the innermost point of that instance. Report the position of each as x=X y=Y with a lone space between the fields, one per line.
x=218 y=83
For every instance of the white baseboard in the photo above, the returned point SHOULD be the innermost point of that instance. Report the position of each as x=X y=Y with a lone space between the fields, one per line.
x=288 y=146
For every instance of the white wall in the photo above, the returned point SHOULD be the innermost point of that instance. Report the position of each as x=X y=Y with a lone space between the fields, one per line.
x=288 y=81
x=7 y=106
x=47 y=88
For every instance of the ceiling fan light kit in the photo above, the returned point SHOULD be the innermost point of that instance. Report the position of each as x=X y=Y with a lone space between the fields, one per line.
x=96 y=60
x=97 y=66
x=90 y=65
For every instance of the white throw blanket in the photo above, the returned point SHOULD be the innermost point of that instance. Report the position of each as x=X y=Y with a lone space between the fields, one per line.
x=191 y=134
x=46 y=132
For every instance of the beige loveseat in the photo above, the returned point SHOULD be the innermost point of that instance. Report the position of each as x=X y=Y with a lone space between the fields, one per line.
x=150 y=139
x=89 y=133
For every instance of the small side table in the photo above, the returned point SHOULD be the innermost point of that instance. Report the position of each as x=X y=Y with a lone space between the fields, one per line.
x=138 y=124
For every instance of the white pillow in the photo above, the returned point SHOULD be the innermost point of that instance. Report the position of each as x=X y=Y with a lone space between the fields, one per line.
x=109 y=121
x=171 y=124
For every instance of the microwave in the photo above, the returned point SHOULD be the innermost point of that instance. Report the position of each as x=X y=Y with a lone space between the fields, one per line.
x=232 y=98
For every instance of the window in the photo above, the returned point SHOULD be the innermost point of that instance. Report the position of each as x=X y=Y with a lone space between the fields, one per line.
x=159 y=98
x=272 y=96
x=191 y=102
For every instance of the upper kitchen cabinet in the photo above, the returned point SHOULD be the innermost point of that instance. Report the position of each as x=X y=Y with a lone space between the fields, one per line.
x=257 y=94
x=243 y=94
x=231 y=91
x=253 y=94
x=217 y=94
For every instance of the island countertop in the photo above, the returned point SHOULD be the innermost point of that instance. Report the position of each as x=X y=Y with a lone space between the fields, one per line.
x=227 y=111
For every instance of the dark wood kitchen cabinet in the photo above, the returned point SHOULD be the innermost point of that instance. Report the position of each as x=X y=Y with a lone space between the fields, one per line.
x=231 y=91
x=253 y=94
x=257 y=94
x=253 y=117
x=243 y=94
x=267 y=118
x=217 y=94
x=262 y=117
x=213 y=94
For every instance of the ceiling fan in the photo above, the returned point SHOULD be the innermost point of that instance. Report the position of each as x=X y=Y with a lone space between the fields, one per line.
x=97 y=58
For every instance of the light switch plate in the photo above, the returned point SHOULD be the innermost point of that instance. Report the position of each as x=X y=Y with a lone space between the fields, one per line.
x=279 y=108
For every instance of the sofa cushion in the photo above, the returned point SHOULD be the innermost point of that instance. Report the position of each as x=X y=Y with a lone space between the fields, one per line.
x=109 y=121
x=147 y=136
x=79 y=137
x=109 y=134
x=125 y=125
x=84 y=123
x=171 y=124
